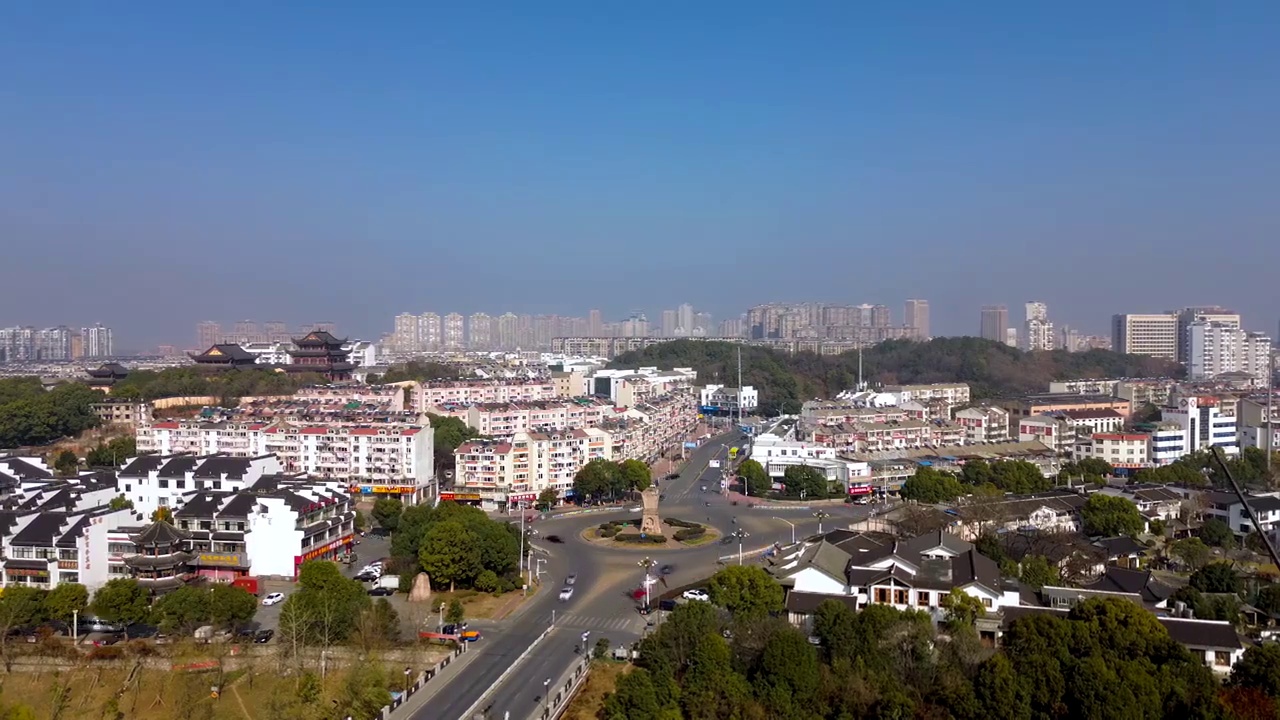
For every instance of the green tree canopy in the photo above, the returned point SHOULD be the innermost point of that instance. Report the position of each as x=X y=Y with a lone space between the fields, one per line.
x=450 y=554
x=31 y=416
x=112 y=453
x=807 y=481
x=756 y=481
x=1111 y=515
x=325 y=607
x=1037 y=572
x=931 y=487
x=121 y=600
x=386 y=512
x=597 y=479
x=1191 y=551
x=547 y=499
x=746 y=591
x=1259 y=668
x=633 y=698
x=1217 y=577
x=1216 y=533
x=64 y=601
x=450 y=432
x=635 y=475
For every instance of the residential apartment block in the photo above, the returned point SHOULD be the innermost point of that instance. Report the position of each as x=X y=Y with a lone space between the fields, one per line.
x=1215 y=349
x=470 y=392
x=498 y=474
x=506 y=419
x=1154 y=335
x=388 y=458
x=984 y=424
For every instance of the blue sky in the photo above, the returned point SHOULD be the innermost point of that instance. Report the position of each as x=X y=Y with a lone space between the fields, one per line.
x=160 y=165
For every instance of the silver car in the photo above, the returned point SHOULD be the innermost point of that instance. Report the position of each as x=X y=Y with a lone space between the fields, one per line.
x=566 y=593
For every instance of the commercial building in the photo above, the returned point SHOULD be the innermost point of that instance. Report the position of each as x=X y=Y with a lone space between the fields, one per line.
x=390 y=458
x=1155 y=335
x=629 y=387
x=1204 y=423
x=916 y=317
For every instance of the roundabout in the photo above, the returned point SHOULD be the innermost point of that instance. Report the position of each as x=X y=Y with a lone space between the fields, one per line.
x=596 y=536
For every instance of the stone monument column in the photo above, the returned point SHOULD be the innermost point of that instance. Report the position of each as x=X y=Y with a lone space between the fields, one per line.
x=650 y=523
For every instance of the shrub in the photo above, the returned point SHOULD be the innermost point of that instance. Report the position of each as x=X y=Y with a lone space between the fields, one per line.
x=677 y=522
x=109 y=652
x=638 y=538
x=690 y=533
x=608 y=532
x=486 y=581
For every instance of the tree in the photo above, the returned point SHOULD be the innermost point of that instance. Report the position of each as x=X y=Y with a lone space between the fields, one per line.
x=787 y=679
x=1018 y=476
x=120 y=502
x=931 y=487
x=324 y=609
x=455 y=613
x=66 y=463
x=1001 y=693
x=596 y=479
x=65 y=601
x=633 y=698
x=386 y=512
x=162 y=514
x=963 y=609
x=1217 y=577
x=450 y=432
x=182 y=610
x=635 y=475
x=1037 y=572
x=364 y=692
x=547 y=499
x=1191 y=551
x=450 y=554
x=1216 y=533
x=755 y=480
x=361 y=521
x=378 y=626
x=1259 y=668
x=121 y=600
x=1111 y=515
x=231 y=606
x=746 y=591
x=1268 y=600
x=20 y=606
x=805 y=481
x=112 y=454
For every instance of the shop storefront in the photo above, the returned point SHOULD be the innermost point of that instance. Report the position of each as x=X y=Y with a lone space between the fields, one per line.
x=460 y=497
x=329 y=551
x=220 y=567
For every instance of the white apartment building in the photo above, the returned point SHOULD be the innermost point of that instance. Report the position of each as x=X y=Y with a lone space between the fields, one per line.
x=1211 y=314
x=156 y=481
x=496 y=474
x=1056 y=432
x=1203 y=424
x=952 y=393
x=1088 y=422
x=631 y=387
x=389 y=458
x=984 y=424
x=470 y=392
x=1168 y=443
x=1216 y=348
x=1086 y=386
x=1037 y=331
x=721 y=399
x=1123 y=450
x=505 y=419
x=1155 y=335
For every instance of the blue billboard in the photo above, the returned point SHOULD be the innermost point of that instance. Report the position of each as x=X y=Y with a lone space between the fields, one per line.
x=708 y=409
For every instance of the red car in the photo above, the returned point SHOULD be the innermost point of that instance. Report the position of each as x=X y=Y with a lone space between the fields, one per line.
x=637 y=594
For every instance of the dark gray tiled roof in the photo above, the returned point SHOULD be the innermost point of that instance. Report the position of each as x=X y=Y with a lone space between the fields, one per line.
x=1212 y=634
x=42 y=531
x=143 y=465
x=803 y=603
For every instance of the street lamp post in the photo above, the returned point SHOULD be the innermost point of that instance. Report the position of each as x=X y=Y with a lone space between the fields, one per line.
x=536 y=572
x=407 y=672
x=440 y=625
x=821 y=515
x=546 y=690
x=793 y=528
x=740 y=534
x=647 y=564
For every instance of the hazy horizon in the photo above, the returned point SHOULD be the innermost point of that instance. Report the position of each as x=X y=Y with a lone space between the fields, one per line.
x=167 y=164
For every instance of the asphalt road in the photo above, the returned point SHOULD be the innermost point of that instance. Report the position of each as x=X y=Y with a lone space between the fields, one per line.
x=602 y=603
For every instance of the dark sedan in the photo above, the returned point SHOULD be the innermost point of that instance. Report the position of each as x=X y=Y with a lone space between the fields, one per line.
x=382 y=591
x=264 y=636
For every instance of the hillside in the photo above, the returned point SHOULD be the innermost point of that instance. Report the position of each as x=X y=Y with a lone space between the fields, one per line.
x=991 y=369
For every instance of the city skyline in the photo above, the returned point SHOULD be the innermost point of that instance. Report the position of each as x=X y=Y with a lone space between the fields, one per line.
x=591 y=170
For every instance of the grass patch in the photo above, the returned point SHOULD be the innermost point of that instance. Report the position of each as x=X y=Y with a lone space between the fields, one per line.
x=603 y=679
x=481 y=606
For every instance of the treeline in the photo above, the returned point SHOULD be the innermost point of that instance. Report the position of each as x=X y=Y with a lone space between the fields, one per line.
x=30 y=415
x=1199 y=468
x=990 y=368
x=229 y=386
x=1108 y=658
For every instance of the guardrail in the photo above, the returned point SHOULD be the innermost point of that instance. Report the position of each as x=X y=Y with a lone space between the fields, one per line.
x=471 y=711
x=423 y=678
x=567 y=687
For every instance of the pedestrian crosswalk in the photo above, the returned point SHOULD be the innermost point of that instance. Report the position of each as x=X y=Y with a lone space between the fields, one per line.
x=631 y=623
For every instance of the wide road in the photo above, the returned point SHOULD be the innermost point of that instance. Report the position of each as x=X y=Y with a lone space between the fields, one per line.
x=606 y=576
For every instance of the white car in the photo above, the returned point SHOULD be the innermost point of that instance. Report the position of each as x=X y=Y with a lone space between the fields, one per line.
x=696 y=594
x=566 y=593
x=636 y=509
x=273 y=598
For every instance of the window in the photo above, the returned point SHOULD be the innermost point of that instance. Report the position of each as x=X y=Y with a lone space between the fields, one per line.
x=986 y=603
x=882 y=595
x=164 y=484
x=1221 y=658
x=900 y=597
x=922 y=598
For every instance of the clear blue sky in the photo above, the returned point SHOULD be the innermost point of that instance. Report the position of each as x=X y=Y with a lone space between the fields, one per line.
x=163 y=163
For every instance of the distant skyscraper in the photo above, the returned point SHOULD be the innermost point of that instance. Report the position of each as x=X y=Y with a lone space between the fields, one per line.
x=1155 y=335
x=208 y=333
x=702 y=324
x=480 y=331
x=670 y=320
x=430 y=331
x=1011 y=337
x=96 y=342
x=509 y=331
x=1210 y=313
x=326 y=326
x=245 y=331
x=275 y=331
x=405 y=335
x=453 y=332
x=595 y=323
x=1216 y=348
x=995 y=323
x=53 y=343
x=1037 y=331
x=917 y=317
x=684 y=319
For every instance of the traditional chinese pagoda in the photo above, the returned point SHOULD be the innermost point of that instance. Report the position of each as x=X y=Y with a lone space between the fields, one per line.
x=320 y=352
x=162 y=557
x=226 y=356
x=106 y=375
